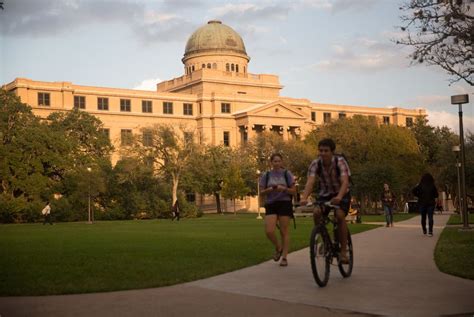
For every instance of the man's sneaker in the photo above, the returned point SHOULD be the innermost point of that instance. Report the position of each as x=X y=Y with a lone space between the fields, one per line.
x=430 y=234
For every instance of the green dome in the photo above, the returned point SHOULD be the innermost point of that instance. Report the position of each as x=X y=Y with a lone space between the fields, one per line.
x=215 y=36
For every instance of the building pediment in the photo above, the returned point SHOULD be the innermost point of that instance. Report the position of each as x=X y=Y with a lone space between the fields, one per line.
x=273 y=109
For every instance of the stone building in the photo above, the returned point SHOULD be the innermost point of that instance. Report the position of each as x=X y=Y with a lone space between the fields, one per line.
x=217 y=96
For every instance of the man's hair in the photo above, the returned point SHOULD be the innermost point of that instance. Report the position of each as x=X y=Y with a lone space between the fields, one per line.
x=327 y=142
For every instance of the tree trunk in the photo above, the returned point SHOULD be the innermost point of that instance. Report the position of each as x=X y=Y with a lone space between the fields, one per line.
x=235 y=213
x=217 y=196
x=175 y=179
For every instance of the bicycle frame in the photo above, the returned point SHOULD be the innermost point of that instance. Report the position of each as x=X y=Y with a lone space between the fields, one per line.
x=324 y=247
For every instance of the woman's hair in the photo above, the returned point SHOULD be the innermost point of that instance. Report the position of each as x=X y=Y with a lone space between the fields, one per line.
x=275 y=155
x=427 y=180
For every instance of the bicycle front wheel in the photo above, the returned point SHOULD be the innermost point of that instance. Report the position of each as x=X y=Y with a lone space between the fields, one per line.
x=320 y=255
x=346 y=269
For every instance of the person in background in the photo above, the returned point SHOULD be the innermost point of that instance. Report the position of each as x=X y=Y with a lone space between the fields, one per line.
x=388 y=200
x=46 y=212
x=427 y=193
x=175 y=211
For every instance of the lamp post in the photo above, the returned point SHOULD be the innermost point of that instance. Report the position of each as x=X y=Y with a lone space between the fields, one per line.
x=456 y=150
x=258 y=194
x=89 y=208
x=460 y=100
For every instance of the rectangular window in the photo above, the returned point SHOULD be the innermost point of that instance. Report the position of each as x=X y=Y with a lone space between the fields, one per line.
x=167 y=107
x=226 y=138
x=188 y=109
x=43 y=99
x=126 y=136
x=225 y=107
x=342 y=115
x=147 y=138
x=147 y=106
x=102 y=103
x=313 y=116
x=79 y=102
x=386 y=120
x=200 y=108
x=327 y=117
x=409 y=121
x=125 y=105
x=106 y=132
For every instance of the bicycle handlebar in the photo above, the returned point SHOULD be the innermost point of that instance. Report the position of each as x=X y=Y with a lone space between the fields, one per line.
x=327 y=204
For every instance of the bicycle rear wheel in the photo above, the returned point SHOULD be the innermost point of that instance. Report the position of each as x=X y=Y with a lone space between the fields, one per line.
x=346 y=269
x=320 y=255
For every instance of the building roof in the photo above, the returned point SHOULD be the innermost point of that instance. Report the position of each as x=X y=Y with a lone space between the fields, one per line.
x=215 y=37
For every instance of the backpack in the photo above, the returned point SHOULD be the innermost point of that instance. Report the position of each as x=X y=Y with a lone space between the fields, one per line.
x=338 y=169
x=288 y=184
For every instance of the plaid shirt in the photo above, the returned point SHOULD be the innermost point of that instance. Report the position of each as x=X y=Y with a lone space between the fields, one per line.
x=329 y=183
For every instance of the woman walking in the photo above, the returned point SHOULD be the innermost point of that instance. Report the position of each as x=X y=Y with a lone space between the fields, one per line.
x=427 y=193
x=278 y=185
x=388 y=199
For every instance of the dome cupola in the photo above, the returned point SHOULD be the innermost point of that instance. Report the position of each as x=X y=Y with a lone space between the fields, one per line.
x=215 y=46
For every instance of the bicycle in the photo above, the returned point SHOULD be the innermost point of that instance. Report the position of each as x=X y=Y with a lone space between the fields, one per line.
x=324 y=247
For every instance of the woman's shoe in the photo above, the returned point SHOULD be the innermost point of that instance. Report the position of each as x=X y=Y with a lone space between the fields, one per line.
x=284 y=262
x=277 y=255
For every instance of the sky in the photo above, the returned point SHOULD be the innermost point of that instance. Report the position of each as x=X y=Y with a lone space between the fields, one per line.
x=328 y=51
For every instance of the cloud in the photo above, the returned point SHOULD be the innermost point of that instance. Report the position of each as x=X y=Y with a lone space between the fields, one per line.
x=249 y=12
x=51 y=17
x=451 y=120
x=338 y=6
x=363 y=54
x=148 y=84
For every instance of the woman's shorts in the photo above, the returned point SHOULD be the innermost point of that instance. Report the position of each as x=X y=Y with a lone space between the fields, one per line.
x=280 y=208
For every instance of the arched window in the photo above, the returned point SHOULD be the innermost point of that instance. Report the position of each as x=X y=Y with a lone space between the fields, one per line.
x=192 y=69
x=227 y=68
x=232 y=67
x=208 y=65
x=214 y=66
x=244 y=69
x=203 y=65
x=237 y=68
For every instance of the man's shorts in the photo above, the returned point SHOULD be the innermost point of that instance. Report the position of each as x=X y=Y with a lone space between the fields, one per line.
x=280 y=208
x=345 y=203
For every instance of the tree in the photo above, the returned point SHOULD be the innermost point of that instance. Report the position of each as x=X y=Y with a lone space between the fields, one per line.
x=32 y=158
x=441 y=33
x=82 y=131
x=166 y=149
x=208 y=170
x=233 y=184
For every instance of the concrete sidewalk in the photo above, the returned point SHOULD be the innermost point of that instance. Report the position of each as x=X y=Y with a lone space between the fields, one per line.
x=394 y=274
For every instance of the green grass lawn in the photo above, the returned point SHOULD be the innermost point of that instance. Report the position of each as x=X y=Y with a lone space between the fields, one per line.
x=381 y=218
x=456 y=219
x=115 y=255
x=454 y=252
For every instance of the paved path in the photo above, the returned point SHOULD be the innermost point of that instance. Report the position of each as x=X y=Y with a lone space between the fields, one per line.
x=394 y=275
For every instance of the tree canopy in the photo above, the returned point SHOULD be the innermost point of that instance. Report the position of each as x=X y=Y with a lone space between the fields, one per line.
x=441 y=33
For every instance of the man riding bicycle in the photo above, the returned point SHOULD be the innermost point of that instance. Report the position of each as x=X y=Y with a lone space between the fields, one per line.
x=333 y=174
